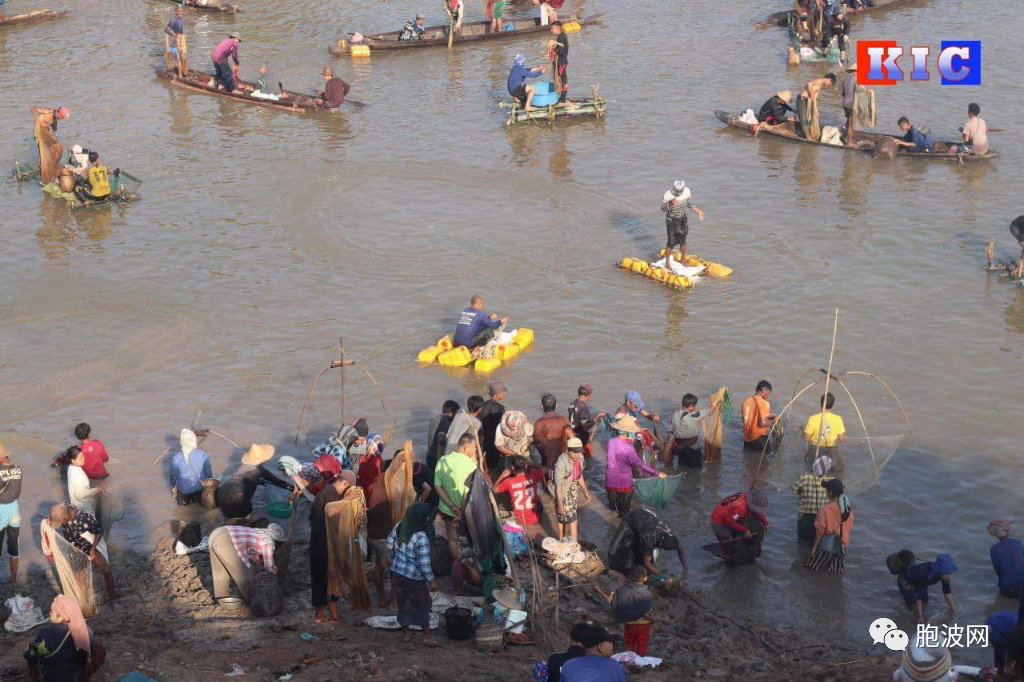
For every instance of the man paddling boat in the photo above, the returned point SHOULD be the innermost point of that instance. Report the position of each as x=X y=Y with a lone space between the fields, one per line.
x=225 y=50
x=974 y=133
x=335 y=90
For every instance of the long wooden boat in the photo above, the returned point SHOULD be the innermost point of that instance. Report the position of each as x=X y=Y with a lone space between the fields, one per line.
x=863 y=141
x=436 y=36
x=32 y=17
x=223 y=8
x=199 y=81
x=788 y=17
x=573 y=107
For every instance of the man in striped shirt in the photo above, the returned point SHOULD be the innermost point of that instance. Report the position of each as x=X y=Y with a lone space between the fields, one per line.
x=675 y=204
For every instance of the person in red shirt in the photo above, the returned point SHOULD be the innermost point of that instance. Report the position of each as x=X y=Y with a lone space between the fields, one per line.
x=95 y=453
x=520 y=481
x=727 y=520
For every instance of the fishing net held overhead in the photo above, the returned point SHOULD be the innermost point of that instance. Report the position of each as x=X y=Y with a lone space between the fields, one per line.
x=859 y=460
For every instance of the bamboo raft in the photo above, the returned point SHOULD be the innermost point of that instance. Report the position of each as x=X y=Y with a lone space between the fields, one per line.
x=199 y=81
x=864 y=142
x=573 y=107
x=32 y=17
x=437 y=36
x=222 y=8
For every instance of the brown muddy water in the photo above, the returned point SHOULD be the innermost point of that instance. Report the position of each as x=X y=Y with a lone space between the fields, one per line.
x=262 y=236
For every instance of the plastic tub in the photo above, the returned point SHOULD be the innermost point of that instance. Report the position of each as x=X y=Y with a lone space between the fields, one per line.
x=544 y=94
x=280 y=510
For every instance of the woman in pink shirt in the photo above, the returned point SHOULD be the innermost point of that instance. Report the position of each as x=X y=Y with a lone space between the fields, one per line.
x=94 y=452
x=622 y=460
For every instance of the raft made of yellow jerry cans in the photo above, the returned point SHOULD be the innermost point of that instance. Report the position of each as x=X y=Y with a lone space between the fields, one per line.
x=713 y=269
x=446 y=354
x=662 y=275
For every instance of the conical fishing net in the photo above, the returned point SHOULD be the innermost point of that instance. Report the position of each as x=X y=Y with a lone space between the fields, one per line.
x=73 y=568
x=655 y=491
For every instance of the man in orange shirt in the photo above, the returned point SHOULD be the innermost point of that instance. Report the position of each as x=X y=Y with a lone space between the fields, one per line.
x=757 y=417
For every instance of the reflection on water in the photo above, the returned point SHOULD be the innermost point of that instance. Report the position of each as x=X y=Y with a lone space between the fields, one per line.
x=806 y=171
x=1014 y=313
x=855 y=184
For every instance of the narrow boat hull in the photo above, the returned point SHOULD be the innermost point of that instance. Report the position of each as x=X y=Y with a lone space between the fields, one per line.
x=863 y=141
x=32 y=17
x=198 y=81
x=435 y=36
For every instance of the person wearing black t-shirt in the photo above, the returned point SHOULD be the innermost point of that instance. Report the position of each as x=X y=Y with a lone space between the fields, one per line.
x=558 y=49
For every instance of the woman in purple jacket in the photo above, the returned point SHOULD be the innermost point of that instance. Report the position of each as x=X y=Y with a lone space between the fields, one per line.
x=622 y=460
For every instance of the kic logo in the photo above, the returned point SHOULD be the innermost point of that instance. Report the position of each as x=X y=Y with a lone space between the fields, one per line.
x=959 y=62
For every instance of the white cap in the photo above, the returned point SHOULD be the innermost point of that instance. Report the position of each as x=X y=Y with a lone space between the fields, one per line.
x=678 y=186
x=77 y=149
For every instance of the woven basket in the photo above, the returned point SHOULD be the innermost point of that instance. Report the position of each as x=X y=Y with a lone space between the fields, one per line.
x=440 y=559
x=267 y=597
x=208 y=500
x=488 y=637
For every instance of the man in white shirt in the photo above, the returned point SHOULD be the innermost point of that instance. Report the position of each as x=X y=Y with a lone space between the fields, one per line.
x=974 y=132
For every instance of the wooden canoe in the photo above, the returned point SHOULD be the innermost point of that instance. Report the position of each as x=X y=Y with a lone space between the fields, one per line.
x=864 y=141
x=32 y=17
x=435 y=36
x=573 y=107
x=223 y=8
x=788 y=17
x=199 y=82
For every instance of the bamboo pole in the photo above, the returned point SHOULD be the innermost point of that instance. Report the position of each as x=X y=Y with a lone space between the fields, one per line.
x=828 y=377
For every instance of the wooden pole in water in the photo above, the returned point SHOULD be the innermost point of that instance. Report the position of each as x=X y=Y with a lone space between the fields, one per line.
x=990 y=252
x=341 y=369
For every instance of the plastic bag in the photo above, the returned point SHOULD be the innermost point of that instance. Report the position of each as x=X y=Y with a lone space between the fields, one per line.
x=25 y=615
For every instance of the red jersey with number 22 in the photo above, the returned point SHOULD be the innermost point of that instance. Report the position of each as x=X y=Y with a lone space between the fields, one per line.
x=522 y=488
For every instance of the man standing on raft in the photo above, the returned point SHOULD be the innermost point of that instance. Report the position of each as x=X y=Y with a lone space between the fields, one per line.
x=675 y=203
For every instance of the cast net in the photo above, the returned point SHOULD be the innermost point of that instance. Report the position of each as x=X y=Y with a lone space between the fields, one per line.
x=345 y=574
x=398 y=482
x=73 y=568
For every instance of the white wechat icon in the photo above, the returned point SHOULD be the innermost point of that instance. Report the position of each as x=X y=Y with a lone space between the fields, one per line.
x=879 y=629
x=896 y=640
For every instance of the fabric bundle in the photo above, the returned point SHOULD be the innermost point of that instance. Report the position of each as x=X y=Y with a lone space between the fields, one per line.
x=344 y=560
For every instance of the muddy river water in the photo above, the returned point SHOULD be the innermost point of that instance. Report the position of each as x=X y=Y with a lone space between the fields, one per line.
x=262 y=236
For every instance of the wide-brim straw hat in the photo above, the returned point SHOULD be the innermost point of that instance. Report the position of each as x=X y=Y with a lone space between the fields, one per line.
x=4 y=451
x=258 y=454
x=508 y=597
x=626 y=424
x=785 y=95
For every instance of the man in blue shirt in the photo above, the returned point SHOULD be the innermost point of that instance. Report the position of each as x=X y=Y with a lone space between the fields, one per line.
x=175 y=31
x=596 y=666
x=188 y=468
x=918 y=140
x=517 y=85
x=1007 y=559
x=913 y=582
x=475 y=327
